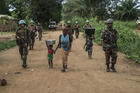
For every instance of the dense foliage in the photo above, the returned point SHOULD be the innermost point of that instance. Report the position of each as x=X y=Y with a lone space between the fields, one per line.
x=102 y=9
x=128 y=42
x=45 y=10
x=3 y=7
x=38 y=10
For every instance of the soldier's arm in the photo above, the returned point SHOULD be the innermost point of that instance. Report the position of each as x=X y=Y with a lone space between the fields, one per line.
x=117 y=35
x=85 y=45
x=90 y=26
x=102 y=37
x=17 y=34
x=28 y=34
x=84 y=27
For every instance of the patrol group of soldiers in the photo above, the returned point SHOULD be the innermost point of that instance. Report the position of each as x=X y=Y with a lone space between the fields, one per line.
x=109 y=38
x=25 y=38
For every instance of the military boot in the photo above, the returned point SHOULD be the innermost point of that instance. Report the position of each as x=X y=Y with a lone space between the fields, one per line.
x=64 y=68
x=113 y=68
x=107 y=68
x=24 y=66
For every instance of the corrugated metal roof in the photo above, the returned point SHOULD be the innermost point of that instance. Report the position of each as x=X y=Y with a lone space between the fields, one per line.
x=6 y=16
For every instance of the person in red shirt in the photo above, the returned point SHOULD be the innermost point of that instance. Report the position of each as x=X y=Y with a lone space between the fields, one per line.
x=50 y=55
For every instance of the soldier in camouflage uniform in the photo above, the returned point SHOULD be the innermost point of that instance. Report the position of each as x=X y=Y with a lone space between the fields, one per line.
x=32 y=34
x=87 y=26
x=109 y=41
x=39 y=29
x=70 y=31
x=22 y=35
x=76 y=28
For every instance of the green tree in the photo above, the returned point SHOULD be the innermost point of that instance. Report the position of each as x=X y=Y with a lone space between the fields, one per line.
x=21 y=8
x=3 y=7
x=127 y=10
x=44 y=10
x=85 y=8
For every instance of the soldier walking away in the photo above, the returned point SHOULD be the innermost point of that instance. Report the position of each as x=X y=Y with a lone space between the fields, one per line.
x=76 y=28
x=64 y=44
x=22 y=36
x=32 y=34
x=109 y=42
x=39 y=29
x=70 y=31
x=89 y=47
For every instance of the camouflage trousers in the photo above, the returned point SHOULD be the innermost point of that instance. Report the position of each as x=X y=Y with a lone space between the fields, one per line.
x=111 y=54
x=31 y=42
x=23 y=47
x=65 y=55
x=23 y=50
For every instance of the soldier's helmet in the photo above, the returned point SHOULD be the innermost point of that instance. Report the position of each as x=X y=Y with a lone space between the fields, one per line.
x=68 y=22
x=21 y=22
x=32 y=22
x=76 y=22
x=109 y=21
x=87 y=21
x=38 y=24
x=138 y=22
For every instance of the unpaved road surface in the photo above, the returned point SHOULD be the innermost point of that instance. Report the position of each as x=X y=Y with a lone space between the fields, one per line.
x=83 y=76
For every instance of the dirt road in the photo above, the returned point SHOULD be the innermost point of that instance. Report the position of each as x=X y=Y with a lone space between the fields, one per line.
x=83 y=76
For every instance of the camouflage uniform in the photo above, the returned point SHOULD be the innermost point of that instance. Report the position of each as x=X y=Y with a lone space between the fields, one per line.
x=76 y=27
x=39 y=29
x=109 y=38
x=22 y=39
x=86 y=26
x=32 y=35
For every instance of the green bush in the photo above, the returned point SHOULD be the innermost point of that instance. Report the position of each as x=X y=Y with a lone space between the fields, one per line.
x=128 y=42
x=7 y=44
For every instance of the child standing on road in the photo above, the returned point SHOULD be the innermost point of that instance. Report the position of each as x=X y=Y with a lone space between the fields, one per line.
x=50 y=55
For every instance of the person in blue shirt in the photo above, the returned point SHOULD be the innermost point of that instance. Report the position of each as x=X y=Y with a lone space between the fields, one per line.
x=64 y=44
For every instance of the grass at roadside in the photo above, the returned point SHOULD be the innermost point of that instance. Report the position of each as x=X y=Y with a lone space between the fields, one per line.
x=7 y=44
x=129 y=41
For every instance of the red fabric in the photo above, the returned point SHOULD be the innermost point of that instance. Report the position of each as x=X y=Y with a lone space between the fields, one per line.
x=68 y=32
x=50 y=51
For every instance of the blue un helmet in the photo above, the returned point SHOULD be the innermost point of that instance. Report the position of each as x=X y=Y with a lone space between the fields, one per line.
x=21 y=22
x=31 y=22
